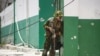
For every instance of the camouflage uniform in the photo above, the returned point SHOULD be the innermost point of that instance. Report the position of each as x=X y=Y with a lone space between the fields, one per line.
x=53 y=33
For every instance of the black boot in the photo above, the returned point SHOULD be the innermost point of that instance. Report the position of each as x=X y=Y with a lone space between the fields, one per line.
x=52 y=52
x=44 y=53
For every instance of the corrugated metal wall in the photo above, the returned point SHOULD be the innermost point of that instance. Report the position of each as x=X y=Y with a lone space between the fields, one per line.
x=88 y=37
x=81 y=26
x=22 y=16
x=0 y=30
x=87 y=14
x=70 y=36
x=46 y=11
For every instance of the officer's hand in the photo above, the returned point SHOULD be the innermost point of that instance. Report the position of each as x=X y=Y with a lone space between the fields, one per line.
x=54 y=35
x=50 y=29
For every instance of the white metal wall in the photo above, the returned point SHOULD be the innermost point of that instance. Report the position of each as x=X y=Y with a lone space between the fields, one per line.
x=84 y=9
x=21 y=11
x=89 y=9
x=7 y=16
x=72 y=8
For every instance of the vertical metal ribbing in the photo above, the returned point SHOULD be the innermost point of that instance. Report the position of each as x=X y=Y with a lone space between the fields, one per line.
x=58 y=5
x=0 y=30
x=27 y=21
x=14 y=20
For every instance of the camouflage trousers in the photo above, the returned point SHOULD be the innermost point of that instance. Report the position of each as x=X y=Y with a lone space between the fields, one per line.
x=51 y=44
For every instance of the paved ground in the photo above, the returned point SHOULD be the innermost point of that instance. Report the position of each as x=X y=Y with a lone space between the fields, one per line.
x=10 y=50
x=4 y=52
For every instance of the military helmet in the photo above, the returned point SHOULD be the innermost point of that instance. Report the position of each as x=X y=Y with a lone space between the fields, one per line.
x=58 y=13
